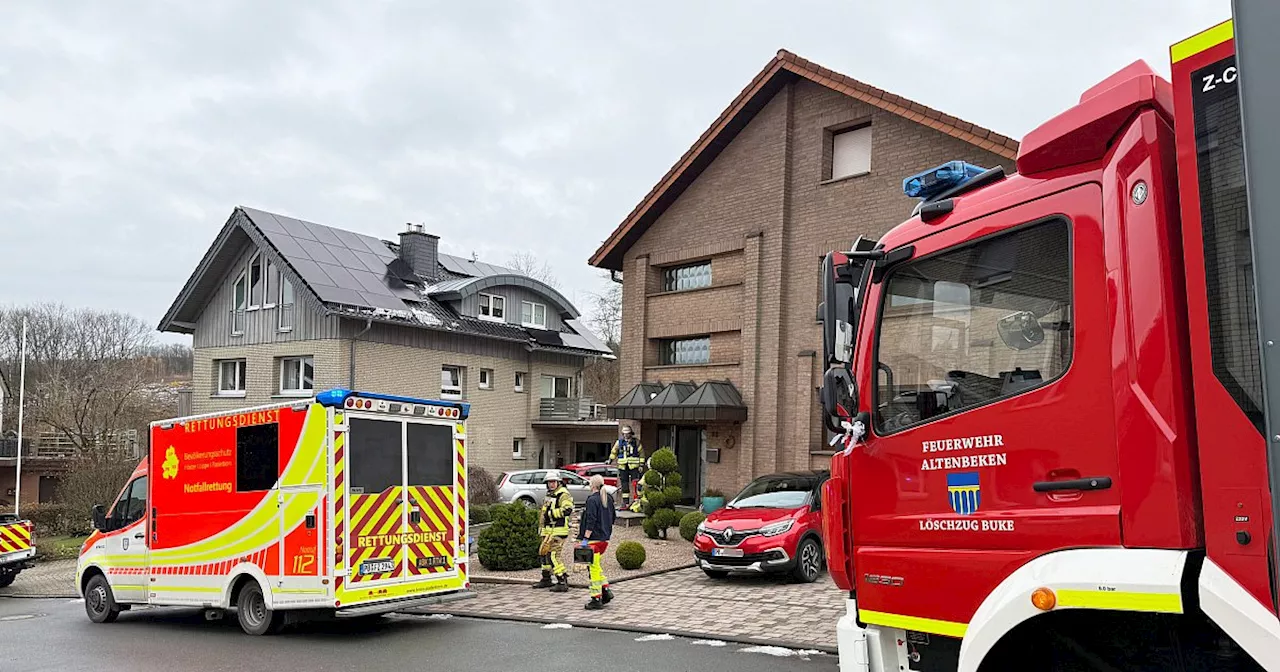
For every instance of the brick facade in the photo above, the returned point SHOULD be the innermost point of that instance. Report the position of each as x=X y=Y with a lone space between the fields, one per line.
x=763 y=213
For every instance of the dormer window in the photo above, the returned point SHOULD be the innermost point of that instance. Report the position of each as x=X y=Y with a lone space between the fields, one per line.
x=533 y=315
x=493 y=307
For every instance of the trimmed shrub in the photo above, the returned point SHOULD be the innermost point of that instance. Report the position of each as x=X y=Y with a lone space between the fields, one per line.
x=652 y=478
x=651 y=528
x=630 y=554
x=59 y=520
x=511 y=542
x=666 y=518
x=674 y=478
x=664 y=461
x=689 y=524
x=482 y=487
x=673 y=494
x=657 y=499
x=478 y=514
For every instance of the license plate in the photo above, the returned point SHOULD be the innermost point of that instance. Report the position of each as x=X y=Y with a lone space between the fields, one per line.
x=727 y=552
x=377 y=567
x=433 y=561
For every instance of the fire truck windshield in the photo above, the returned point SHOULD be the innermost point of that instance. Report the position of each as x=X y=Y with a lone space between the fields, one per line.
x=972 y=324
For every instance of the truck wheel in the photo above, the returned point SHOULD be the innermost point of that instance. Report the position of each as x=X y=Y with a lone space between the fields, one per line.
x=7 y=576
x=808 y=562
x=99 y=601
x=255 y=617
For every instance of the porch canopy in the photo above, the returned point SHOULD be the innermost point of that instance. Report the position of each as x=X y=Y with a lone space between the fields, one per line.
x=712 y=401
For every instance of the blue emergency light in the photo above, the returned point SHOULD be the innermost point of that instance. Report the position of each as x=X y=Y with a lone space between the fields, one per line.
x=934 y=181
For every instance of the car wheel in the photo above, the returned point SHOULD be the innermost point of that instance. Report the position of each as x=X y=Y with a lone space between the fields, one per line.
x=527 y=502
x=255 y=617
x=715 y=574
x=99 y=601
x=808 y=561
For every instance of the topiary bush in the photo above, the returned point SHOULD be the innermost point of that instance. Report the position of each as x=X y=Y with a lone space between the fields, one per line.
x=479 y=514
x=482 y=487
x=689 y=524
x=661 y=494
x=664 y=461
x=672 y=494
x=674 y=478
x=653 y=478
x=651 y=528
x=630 y=554
x=665 y=519
x=656 y=499
x=511 y=542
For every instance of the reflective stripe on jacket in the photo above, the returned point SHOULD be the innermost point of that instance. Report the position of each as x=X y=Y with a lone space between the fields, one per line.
x=627 y=452
x=556 y=509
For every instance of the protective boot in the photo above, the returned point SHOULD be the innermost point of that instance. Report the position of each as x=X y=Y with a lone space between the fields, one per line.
x=562 y=585
x=607 y=597
x=594 y=605
x=546 y=581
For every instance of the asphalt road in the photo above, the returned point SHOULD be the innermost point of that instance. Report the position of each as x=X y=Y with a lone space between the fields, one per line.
x=38 y=635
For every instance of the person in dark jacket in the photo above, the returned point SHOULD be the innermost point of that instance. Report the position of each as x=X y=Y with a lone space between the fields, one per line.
x=594 y=532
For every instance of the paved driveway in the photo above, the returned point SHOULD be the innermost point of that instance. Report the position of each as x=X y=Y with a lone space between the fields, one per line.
x=56 y=578
x=686 y=602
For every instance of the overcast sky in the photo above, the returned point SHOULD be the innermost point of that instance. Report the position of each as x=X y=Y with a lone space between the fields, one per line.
x=129 y=130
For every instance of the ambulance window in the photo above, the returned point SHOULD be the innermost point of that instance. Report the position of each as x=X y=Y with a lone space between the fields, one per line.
x=429 y=451
x=257 y=457
x=133 y=503
x=373 y=455
x=974 y=324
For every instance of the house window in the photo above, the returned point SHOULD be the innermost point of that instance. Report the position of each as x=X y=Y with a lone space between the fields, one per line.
x=297 y=375
x=680 y=278
x=517 y=449
x=687 y=351
x=557 y=387
x=520 y=381
x=451 y=382
x=269 y=301
x=255 y=282
x=231 y=374
x=850 y=152
x=241 y=298
x=286 y=316
x=493 y=307
x=486 y=379
x=533 y=314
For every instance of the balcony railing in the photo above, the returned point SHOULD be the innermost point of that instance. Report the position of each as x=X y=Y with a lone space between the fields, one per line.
x=50 y=445
x=570 y=409
x=9 y=448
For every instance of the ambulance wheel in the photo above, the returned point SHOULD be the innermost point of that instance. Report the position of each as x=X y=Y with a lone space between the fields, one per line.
x=255 y=617
x=99 y=602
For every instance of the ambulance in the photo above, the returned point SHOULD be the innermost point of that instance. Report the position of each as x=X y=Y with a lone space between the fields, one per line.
x=346 y=504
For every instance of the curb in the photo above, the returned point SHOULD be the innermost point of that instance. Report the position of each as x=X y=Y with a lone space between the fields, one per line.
x=622 y=627
x=512 y=581
x=29 y=596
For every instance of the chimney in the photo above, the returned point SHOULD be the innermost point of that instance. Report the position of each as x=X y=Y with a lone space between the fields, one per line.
x=420 y=250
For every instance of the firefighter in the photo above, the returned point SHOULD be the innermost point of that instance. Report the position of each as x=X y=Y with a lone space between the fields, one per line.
x=627 y=454
x=556 y=508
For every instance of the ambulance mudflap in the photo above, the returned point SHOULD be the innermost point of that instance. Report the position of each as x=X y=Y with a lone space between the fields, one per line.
x=348 y=504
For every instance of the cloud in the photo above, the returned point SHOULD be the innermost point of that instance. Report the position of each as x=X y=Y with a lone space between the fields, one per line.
x=131 y=129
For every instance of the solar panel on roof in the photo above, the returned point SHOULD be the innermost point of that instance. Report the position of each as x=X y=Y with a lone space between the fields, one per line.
x=295 y=228
x=311 y=272
x=340 y=295
x=322 y=233
x=317 y=251
x=400 y=269
x=264 y=220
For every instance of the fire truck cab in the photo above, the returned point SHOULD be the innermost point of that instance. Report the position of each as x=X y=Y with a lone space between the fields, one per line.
x=1047 y=393
x=345 y=504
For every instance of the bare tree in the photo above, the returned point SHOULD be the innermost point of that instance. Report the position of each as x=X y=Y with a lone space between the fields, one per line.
x=601 y=378
x=529 y=264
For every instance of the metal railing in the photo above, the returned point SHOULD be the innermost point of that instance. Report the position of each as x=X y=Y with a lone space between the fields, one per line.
x=51 y=445
x=570 y=408
x=9 y=448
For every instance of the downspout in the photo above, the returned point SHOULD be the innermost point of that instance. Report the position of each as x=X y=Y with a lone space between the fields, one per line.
x=351 y=359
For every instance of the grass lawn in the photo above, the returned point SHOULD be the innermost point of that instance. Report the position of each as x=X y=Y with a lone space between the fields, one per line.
x=59 y=548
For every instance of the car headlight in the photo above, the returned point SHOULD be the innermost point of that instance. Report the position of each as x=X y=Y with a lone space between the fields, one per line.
x=774 y=529
x=702 y=527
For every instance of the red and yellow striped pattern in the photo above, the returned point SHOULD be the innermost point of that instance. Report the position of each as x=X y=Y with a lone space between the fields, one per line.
x=339 y=498
x=435 y=507
x=261 y=558
x=460 y=493
x=372 y=516
x=15 y=537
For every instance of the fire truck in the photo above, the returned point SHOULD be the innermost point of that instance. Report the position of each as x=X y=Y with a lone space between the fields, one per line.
x=1055 y=394
x=347 y=504
x=17 y=552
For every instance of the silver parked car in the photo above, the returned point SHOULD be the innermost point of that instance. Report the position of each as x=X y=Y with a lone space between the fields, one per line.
x=527 y=486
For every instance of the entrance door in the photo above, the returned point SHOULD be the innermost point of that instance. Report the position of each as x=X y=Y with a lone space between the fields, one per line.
x=686 y=441
x=376 y=507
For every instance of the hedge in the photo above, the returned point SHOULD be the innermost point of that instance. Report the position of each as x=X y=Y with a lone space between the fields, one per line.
x=689 y=524
x=478 y=514
x=511 y=542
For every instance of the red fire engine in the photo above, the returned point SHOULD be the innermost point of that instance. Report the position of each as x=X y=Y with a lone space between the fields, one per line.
x=1052 y=395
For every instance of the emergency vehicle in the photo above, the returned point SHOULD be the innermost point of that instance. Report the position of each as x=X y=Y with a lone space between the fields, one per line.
x=346 y=504
x=17 y=552
x=1049 y=394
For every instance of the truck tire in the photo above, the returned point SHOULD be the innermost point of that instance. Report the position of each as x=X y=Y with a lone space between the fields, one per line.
x=808 y=561
x=255 y=618
x=7 y=576
x=99 y=601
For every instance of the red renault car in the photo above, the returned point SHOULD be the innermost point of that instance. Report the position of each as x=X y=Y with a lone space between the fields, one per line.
x=774 y=526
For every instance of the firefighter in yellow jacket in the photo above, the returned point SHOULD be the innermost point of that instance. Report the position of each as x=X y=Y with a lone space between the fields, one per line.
x=556 y=509
x=629 y=456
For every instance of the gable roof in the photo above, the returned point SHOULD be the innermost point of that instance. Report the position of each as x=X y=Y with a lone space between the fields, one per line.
x=784 y=67
x=353 y=275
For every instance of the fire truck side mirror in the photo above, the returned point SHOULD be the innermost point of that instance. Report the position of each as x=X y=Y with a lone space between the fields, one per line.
x=100 y=518
x=839 y=397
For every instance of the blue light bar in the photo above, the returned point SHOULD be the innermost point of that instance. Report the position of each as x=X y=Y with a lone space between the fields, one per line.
x=338 y=397
x=934 y=181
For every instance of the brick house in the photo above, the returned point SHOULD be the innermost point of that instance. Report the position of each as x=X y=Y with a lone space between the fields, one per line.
x=280 y=307
x=720 y=262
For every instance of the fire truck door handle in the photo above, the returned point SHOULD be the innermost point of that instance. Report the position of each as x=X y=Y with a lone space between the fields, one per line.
x=1088 y=483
